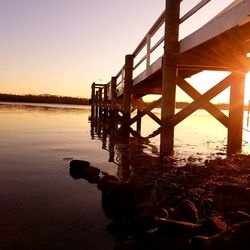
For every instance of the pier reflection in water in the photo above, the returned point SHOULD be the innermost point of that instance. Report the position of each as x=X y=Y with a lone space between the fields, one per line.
x=130 y=154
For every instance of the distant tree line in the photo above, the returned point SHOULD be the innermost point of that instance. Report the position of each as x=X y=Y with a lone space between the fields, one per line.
x=45 y=98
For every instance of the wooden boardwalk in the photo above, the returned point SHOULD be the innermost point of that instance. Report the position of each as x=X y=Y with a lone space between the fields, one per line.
x=222 y=44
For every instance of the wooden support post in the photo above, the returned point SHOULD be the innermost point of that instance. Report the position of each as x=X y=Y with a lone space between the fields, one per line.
x=96 y=104
x=100 y=103
x=139 y=110
x=236 y=112
x=113 y=94
x=93 y=100
x=105 y=102
x=113 y=102
x=169 y=77
x=127 y=93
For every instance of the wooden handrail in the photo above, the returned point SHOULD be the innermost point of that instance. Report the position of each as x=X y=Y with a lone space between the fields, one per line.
x=194 y=10
x=146 y=41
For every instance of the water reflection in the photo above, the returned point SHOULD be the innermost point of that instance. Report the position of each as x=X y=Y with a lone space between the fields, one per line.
x=42 y=108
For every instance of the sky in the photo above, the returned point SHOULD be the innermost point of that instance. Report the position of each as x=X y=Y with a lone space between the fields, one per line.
x=62 y=46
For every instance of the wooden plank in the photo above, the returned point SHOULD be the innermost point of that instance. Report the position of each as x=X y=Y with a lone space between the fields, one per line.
x=153 y=68
x=154 y=117
x=236 y=110
x=221 y=23
x=202 y=100
x=212 y=109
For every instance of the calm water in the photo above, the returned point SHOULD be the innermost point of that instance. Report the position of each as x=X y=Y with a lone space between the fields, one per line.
x=42 y=207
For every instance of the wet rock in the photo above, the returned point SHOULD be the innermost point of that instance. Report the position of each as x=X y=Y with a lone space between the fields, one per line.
x=121 y=228
x=162 y=213
x=212 y=226
x=76 y=167
x=118 y=202
x=177 y=227
x=145 y=208
x=230 y=189
x=90 y=173
x=185 y=211
x=197 y=242
x=206 y=203
x=237 y=237
x=106 y=181
x=78 y=164
x=238 y=216
x=143 y=223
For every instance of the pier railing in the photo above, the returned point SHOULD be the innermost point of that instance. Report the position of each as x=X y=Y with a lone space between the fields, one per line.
x=150 y=49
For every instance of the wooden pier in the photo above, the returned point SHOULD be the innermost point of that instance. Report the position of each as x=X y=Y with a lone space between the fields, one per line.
x=221 y=44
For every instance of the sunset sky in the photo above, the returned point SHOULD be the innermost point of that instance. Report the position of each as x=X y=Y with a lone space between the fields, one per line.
x=62 y=46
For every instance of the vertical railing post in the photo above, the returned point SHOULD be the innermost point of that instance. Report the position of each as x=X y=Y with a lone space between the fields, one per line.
x=148 y=53
x=127 y=93
x=236 y=112
x=169 y=76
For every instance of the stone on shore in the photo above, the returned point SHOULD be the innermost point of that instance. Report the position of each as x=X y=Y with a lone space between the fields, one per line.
x=237 y=237
x=185 y=211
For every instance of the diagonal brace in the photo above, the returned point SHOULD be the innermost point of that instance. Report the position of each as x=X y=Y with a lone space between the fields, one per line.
x=147 y=111
x=203 y=99
x=209 y=107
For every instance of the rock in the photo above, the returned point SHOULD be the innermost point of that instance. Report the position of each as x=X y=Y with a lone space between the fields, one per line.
x=237 y=237
x=145 y=208
x=206 y=203
x=231 y=189
x=162 y=213
x=76 y=167
x=143 y=223
x=120 y=228
x=177 y=227
x=90 y=173
x=238 y=216
x=212 y=226
x=118 y=202
x=197 y=242
x=185 y=211
x=105 y=181
x=79 y=164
